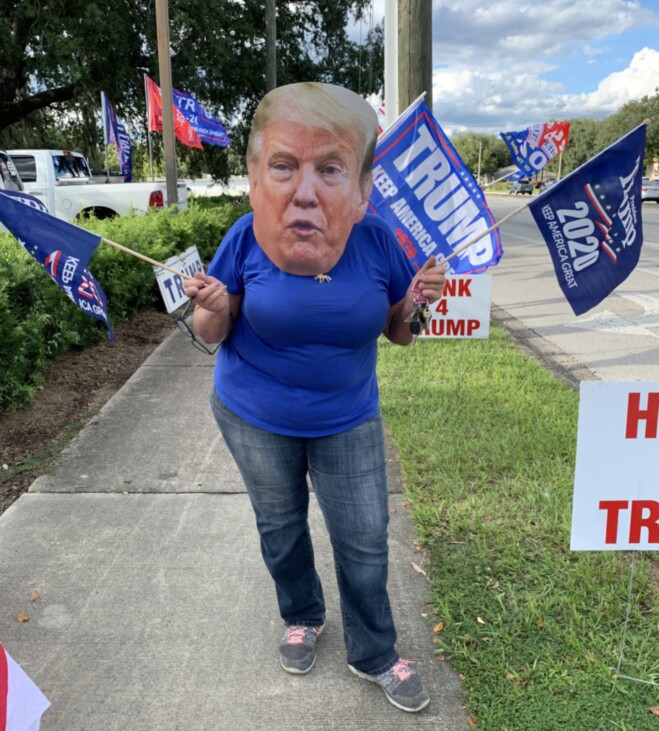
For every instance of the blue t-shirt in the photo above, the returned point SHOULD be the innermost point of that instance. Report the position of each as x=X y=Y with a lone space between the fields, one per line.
x=301 y=357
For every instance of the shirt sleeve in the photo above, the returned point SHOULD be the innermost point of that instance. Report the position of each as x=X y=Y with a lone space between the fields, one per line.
x=228 y=263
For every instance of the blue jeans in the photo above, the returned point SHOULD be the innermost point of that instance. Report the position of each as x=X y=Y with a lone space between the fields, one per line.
x=349 y=479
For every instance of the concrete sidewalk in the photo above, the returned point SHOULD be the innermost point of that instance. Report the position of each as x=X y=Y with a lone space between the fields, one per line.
x=155 y=609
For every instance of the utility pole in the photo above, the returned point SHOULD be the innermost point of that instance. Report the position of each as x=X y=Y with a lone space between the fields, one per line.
x=414 y=51
x=270 y=45
x=165 y=69
x=480 y=155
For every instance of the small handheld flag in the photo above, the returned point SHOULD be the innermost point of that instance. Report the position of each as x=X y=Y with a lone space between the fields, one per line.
x=427 y=195
x=61 y=248
x=591 y=222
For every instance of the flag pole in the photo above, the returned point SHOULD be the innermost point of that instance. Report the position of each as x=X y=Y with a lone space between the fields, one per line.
x=137 y=254
x=148 y=125
x=105 y=138
x=471 y=242
x=418 y=99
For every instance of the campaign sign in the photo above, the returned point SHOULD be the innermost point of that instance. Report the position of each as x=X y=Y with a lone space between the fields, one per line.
x=171 y=285
x=463 y=310
x=616 y=485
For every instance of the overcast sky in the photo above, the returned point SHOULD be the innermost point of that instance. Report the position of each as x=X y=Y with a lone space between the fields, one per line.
x=505 y=64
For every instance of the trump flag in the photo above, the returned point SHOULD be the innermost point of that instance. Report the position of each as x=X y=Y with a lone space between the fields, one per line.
x=426 y=194
x=535 y=146
x=61 y=248
x=183 y=130
x=115 y=134
x=21 y=703
x=591 y=222
x=208 y=128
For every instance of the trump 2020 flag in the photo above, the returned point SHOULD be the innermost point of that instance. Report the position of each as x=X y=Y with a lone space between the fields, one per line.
x=21 y=703
x=591 y=222
x=115 y=134
x=426 y=194
x=208 y=128
x=61 y=248
x=534 y=147
x=183 y=130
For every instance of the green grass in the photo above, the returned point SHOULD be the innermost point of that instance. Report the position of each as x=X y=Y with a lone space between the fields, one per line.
x=487 y=442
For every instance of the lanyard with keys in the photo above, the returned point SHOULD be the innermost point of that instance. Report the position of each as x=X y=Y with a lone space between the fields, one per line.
x=420 y=315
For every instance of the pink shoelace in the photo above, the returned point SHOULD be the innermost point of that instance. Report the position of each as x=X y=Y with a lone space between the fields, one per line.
x=401 y=669
x=295 y=635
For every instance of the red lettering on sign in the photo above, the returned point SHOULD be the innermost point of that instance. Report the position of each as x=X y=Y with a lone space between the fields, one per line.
x=442 y=306
x=457 y=287
x=635 y=413
x=649 y=521
x=472 y=325
x=638 y=519
x=449 y=288
x=613 y=508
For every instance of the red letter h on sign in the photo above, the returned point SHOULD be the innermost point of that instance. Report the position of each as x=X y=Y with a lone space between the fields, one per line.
x=635 y=414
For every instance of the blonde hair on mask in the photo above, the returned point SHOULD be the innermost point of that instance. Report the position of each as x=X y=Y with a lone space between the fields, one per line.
x=321 y=106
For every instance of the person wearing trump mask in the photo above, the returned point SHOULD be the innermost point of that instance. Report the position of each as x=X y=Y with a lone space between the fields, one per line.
x=298 y=293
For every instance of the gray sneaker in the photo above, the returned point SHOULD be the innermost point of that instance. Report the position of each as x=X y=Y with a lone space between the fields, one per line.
x=297 y=649
x=402 y=686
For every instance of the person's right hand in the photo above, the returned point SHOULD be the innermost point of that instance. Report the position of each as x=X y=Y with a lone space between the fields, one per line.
x=207 y=292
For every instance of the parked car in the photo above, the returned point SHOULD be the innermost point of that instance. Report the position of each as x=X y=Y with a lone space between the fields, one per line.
x=9 y=177
x=650 y=190
x=62 y=180
x=520 y=186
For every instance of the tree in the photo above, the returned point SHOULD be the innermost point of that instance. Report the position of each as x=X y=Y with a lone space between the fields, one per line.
x=57 y=57
x=491 y=149
x=65 y=51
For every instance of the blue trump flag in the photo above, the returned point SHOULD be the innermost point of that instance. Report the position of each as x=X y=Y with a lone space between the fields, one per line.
x=426 y=194
x=534 y=147
x=591 y=222
x=61 y=248
x=115 y=133
x=208 y=128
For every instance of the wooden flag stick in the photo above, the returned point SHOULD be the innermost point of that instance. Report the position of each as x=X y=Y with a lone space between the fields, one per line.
x=144 y=258
x=471 y=242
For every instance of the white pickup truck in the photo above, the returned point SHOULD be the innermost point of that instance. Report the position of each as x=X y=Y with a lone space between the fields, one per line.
x=63 y=181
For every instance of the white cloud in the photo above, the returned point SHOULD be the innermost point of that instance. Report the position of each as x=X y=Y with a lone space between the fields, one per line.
x=494 y=100
x=492 y=59
x=509 y=31
x=640 y=78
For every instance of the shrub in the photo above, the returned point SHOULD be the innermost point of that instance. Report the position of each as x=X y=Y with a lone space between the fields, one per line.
x=38 y=322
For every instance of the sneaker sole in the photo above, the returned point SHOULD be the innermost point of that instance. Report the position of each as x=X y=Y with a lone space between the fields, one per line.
x=393 y=702
x=296 y=671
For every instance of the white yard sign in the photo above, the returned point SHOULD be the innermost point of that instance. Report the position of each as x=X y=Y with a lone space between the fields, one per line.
x=171 y=285
x=463 y=311
x=616 y=484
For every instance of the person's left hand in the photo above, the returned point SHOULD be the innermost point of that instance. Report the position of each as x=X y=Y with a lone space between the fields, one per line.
x=430 y=280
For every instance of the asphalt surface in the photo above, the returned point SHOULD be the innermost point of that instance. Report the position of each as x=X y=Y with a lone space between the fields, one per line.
x=155 y=611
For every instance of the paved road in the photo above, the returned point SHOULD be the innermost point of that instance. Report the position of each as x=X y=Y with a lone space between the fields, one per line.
x=618 y=339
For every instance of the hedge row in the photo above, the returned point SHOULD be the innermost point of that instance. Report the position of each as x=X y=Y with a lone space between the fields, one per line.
x=37 y=320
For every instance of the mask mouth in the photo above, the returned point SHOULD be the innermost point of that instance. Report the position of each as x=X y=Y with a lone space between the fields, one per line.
x=304 y=225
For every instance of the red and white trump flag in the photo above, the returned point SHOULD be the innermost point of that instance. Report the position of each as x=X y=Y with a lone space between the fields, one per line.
x=21 y=703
